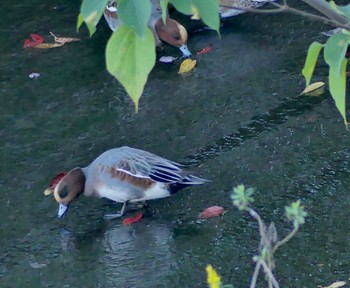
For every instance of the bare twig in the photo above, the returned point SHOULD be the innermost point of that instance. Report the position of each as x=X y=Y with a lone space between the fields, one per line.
x=333 y=18
x=285 y=239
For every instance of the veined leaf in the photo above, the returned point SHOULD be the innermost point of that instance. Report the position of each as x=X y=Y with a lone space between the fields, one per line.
x=310 y=62
x=183 y=6
x=130 y=58
x=206 y=12
x=334 y=51
x=80 y=20
x=344 y=10
x=337 y=87
x=135 y=14
x=164 y=5
x=91 y=11
x=203 y=9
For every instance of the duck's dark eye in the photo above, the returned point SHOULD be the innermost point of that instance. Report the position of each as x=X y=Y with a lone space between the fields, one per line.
x=177 y=37
x=64 y=192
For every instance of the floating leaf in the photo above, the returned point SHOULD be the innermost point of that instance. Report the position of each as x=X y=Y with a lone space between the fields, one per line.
x=336 y=284
x=36 y=40
x=187 y=65
x=211 y=212
x=310 y=62
x=48 y=45
x=130 y=58
x=314 y=89
x=37 y=265
x=130 y=220
x=213 y=278
x=167 y=59
x=205 y=50
x=64 y=39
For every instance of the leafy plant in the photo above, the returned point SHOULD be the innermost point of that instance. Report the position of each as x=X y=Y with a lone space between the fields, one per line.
x=130 y=52
x=269 y=243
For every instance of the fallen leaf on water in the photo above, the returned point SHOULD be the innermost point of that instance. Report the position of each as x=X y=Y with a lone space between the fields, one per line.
x=187 y=65
x=36 y=39
x=48 y=45
x=314 y=89
x=205 y=50
x=336 y=284
x=167 y=59
x=211 y=212
x=130 y=220
x=34 y=75
x=37 y=265
x=54 y=182
x=64 y=39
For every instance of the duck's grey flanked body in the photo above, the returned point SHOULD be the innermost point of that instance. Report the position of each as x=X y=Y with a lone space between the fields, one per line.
x=240 y=5
x=124 y=175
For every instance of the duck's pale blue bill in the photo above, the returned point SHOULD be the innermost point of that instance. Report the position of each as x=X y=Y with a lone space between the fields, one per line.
x=185 y=51
x=62 y=209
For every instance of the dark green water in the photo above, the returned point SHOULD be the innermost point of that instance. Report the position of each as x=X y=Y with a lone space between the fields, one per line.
x=236 y=119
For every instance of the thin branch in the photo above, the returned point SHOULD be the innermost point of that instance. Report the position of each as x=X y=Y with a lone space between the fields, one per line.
x=285 y=239
x=255 y=275
x=269 y=274
x=334 y=18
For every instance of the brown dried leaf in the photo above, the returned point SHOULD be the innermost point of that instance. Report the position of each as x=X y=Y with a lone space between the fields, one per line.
x=48 y=45
x=314 y=89
x=64 y=39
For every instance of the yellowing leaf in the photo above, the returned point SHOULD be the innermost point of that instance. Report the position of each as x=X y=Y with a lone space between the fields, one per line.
x=314 y=89
x=213 y=278
x=336 y=284
x=187 y=65
x=48 y=191
x=195 y=13
x=48 y=45
x=64 y=39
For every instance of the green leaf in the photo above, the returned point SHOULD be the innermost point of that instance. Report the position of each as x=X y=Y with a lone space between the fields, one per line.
x=295 y=213
x=92 y=11
x=207 y=13
x=334 y=51
x=164 y=5
x=344 y=10
x=205 y=9
x=183 y=6
x=130 y=59
x=310 y=62
x=337 y=87
x=80 y=20
x=135 y=14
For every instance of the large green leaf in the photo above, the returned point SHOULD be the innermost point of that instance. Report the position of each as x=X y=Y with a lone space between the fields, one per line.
x=337 y=86
x=183 y=6
x=91 y=11
x=310 y=62
x=135 y=14
x=80 y=20
x=164 y=5
x=207 y=11
x=334 y=51
x=130 y=58
x=344 y=10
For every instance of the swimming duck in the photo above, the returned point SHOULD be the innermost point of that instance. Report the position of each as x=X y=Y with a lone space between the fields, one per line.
x=123 y=175
x=240 y=6
x=171 y=32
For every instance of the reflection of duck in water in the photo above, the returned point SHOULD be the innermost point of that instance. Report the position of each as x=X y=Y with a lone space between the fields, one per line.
x=171 y=32
x=241 y=5
x=124 y=175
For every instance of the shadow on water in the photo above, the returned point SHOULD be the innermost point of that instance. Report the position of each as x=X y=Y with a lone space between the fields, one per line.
x=258 y=124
